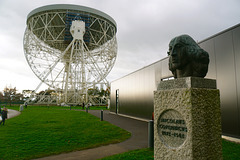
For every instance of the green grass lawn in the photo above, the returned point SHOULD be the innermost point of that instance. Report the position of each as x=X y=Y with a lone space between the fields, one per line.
x=231 y=151
x=140 y=154
x=43 y=131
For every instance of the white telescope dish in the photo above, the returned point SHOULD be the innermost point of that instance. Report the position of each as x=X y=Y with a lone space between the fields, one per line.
x=70 y=48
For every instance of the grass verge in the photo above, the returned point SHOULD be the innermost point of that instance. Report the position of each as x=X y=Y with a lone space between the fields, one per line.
x=43 y=131
x=231 y=151
x=140 y=154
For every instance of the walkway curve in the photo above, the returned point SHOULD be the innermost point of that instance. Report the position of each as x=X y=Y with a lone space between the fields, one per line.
x=12 y=113
x=139 y=139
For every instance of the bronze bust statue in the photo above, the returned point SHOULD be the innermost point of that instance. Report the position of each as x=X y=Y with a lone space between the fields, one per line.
x=186 y=58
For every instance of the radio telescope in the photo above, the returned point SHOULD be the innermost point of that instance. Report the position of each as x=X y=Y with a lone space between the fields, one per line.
x=70 y=48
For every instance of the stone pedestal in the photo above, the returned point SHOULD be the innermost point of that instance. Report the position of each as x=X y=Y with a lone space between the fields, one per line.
x=187 y=121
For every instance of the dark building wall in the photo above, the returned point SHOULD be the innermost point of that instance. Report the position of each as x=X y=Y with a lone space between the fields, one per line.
x=136 y=89
x=224 y=50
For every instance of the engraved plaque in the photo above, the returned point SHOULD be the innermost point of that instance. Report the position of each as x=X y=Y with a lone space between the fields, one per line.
x=172 y=128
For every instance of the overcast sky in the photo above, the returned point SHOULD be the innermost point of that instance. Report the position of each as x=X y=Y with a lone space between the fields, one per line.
x=144 y=29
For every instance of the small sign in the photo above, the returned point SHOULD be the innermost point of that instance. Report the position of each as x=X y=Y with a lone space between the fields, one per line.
x=172 y=128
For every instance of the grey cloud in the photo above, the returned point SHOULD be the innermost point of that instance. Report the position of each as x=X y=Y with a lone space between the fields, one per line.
x=144 y=27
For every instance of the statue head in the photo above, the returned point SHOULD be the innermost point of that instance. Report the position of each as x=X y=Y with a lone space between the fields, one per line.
x=186 y=58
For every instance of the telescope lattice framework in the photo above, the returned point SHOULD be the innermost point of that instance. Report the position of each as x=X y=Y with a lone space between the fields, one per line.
x=70 y=64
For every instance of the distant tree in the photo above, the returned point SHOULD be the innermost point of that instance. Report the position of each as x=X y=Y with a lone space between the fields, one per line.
x=9 y=94
x=102 y=93
x=18 y=98
x=97 y=92
x=49 y=91
x=108 y=91
x=41 y=93
x=46 y=92
x=93 y=91
x=1 y=97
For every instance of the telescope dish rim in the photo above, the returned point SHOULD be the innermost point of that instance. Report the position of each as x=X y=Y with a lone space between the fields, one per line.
x=71 y=7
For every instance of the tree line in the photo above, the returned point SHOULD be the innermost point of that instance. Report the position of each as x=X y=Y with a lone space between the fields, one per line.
x=10 y=96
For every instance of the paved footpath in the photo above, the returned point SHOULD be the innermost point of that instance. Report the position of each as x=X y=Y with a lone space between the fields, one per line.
x=139 y=139
x=12 y=113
